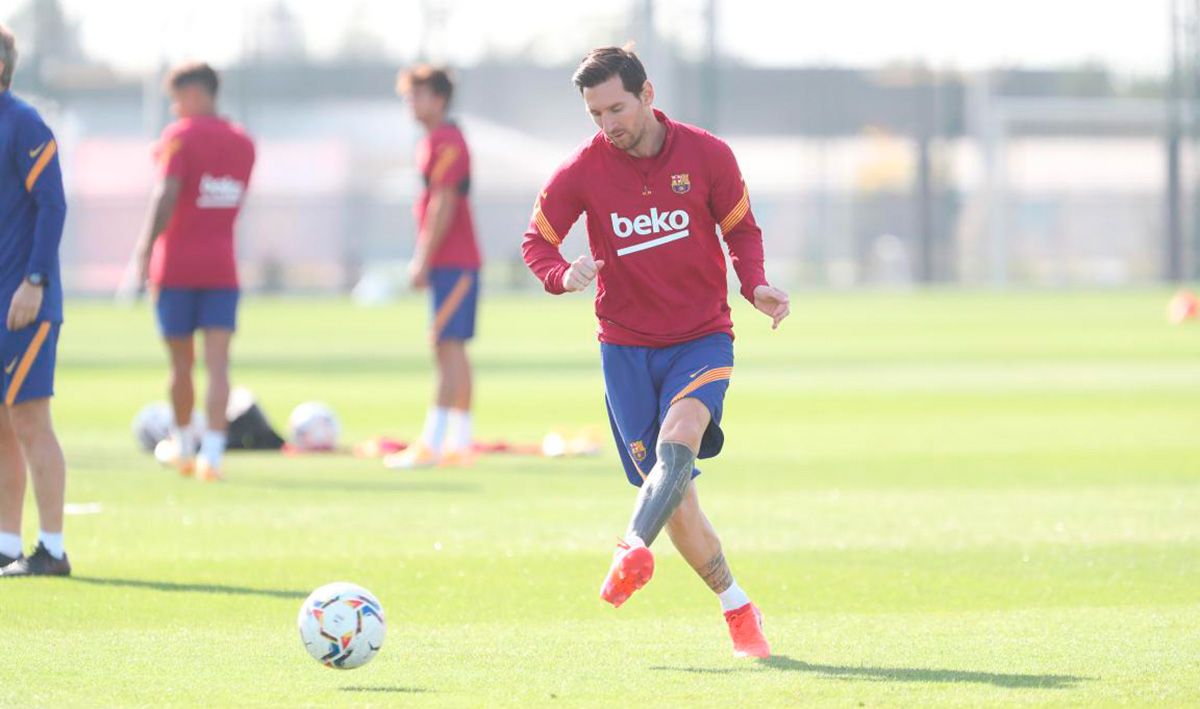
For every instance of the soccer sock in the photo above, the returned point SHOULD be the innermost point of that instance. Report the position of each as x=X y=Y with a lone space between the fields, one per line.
x=212 y=447
x=183 y=436
x=662 y=490
x=10 y=544
x=52 y=542
x=435 y=427
x=733 y=597
x=458 y=433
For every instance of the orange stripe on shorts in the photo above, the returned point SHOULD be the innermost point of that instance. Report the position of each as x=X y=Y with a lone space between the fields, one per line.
x=26 y=364
x=451 y=305
x=712 y=375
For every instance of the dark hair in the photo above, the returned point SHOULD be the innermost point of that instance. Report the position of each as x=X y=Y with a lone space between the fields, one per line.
x=603 y=63
x=8 y=55
x=196 y=73
x=436 y=78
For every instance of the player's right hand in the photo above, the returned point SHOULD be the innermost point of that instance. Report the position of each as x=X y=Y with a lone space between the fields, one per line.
x=581 y=272
x=24 y=307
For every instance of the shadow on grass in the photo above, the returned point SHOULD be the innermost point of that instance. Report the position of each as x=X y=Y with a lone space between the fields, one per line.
x=190 y=587
x=783 y=663
x=396 y=690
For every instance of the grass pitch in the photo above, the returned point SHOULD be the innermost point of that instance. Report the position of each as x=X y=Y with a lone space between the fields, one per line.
x=942 y=498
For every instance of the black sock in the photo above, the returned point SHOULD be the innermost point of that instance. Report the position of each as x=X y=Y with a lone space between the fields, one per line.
x=662 y=490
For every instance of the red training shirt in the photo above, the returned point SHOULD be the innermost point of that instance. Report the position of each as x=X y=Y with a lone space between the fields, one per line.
x=444 y=161
x=653 y=221
x=212 y=159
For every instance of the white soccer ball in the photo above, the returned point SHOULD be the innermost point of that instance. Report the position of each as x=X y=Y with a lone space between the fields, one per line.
x=152 y=424
x=554 y=445
x=313 y=427
x=167 y=451
x=342 y=625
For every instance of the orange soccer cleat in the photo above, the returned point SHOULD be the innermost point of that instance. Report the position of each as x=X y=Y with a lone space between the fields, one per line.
x=169 y=453
x=206 y=472
x=746 y=631
x=418 y=455
x=632 y=567
x=458 y=458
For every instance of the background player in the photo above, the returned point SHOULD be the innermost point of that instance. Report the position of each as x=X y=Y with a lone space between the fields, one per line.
x=447 y=261
x=187 y=255
x=32 y=211
x=655 y=192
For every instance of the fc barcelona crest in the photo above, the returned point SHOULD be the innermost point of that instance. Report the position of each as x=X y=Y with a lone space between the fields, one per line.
x=638 y=450
x=680 y=184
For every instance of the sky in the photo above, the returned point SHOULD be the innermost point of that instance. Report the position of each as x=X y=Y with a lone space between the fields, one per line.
x=1130 y=36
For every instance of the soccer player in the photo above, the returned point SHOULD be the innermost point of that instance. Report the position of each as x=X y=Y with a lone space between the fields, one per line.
x=655 y=193
x=186 y=253
x=32 y=211
x=447 y=261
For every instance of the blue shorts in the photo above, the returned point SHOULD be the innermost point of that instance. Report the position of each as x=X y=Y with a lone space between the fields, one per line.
x=182 y=311
x=455 y=298
x=28 y=357
x=641 y=384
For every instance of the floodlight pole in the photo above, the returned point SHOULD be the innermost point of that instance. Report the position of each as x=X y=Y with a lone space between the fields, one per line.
x=708 y=74
x=923 y=133
x=1173 y=237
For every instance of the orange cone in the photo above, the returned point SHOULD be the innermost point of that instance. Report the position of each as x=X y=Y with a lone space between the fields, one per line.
x=1183 y=306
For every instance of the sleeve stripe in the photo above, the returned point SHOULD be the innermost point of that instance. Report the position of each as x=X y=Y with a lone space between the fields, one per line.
x=544 y=228
x=168 y=151
x=737 y=213
x=445 y=160
x=42 y=161
x=547 y=231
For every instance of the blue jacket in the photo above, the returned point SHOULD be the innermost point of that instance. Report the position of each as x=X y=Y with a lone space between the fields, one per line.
x=32 y=206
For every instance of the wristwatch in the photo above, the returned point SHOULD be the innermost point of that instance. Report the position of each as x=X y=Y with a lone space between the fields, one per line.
x=36 y=279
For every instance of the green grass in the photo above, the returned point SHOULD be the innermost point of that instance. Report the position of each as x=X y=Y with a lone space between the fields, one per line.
x=940 y=498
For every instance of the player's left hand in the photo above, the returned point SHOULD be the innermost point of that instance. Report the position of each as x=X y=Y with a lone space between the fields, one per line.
x=418 y=273
x=773 y=302
x=142 y=257
x=26 y=303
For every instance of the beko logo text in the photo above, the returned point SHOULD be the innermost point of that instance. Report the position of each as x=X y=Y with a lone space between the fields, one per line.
x=655 y=222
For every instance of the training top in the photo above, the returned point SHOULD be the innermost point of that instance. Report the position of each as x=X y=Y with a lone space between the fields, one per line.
x=212 y=158
x=444 y=161
x=653 y=221
x=32 y=206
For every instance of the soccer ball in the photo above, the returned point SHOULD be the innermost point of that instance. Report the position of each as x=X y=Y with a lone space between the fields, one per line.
x=313 y=427
x=342 y=625
x=152 y=424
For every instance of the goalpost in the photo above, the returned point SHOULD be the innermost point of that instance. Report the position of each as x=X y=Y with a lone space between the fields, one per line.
x=1130 y=217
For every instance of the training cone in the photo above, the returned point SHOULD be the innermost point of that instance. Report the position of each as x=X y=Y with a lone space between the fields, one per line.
x=1183 y=306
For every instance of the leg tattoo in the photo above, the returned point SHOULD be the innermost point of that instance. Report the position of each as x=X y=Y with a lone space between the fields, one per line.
x=716 y=573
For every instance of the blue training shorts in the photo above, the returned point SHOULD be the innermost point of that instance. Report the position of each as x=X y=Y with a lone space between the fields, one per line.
x=28 y=357
x=455 y=298
x=641 y=384
x=182 y=311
